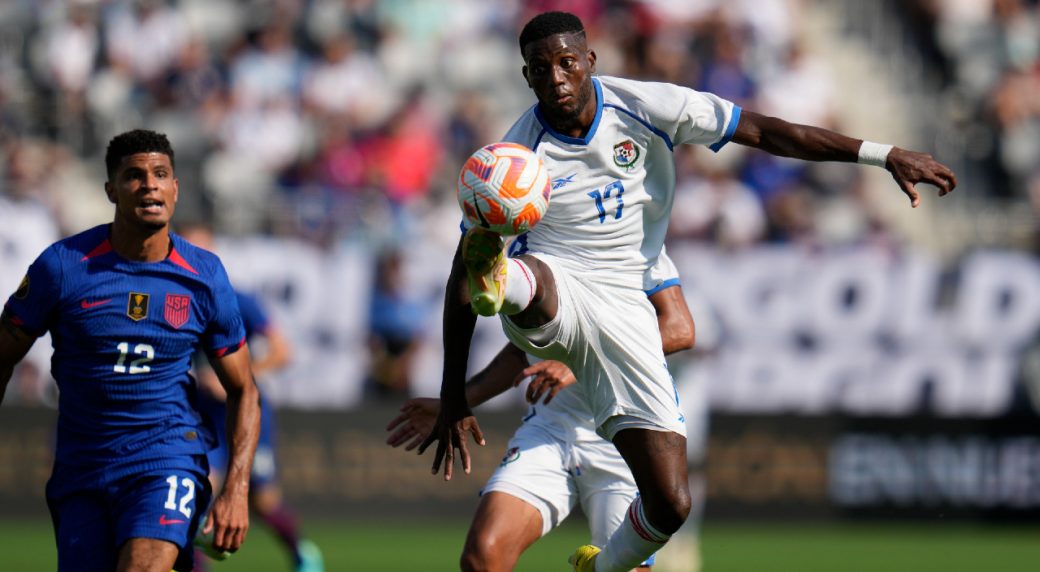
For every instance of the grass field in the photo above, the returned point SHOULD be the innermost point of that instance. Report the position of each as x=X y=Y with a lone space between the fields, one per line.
x=433 y=546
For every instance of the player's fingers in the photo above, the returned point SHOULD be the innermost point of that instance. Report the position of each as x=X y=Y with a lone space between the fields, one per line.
x=240 y=538
x=533 y=387
x=464 y=454
x=400 y=436
x=208 y=527
x=426 y=443
x=534 y=369
x=219 y=537
x=478 y=435
x=552 y=393
x=401 y=418
x=944 y=184
x=415 y=442
x=437 y=458
x=934 y=179
x=520 y=377
x=534 y=396
x=449 y=462
x=910 y=192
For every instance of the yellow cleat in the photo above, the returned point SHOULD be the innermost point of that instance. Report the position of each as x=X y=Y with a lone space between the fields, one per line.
x=584 y=558
x=483 y=254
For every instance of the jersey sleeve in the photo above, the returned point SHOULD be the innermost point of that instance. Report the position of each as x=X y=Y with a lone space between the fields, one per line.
x=686 y=115
x=254 y=318
x=225 y=333
x=663 y=274
x=34 y=304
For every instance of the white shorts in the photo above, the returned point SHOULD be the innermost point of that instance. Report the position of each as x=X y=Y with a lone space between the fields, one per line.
x=608 y=336
x=553 y=475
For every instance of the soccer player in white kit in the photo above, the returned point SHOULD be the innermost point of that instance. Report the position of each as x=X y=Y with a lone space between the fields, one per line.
x=576 y=297
x=555 y=460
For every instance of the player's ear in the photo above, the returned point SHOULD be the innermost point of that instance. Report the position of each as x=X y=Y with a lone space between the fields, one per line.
x=592 y=61
x=523 y=70
x=110 y=191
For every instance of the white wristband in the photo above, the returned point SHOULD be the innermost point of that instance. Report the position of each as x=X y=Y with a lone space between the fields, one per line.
x=871 y=153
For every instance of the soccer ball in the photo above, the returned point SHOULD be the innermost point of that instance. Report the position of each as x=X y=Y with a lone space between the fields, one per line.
x=504 y=187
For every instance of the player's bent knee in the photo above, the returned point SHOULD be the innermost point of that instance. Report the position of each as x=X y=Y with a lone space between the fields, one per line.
x=670 y=510
x=485 y=552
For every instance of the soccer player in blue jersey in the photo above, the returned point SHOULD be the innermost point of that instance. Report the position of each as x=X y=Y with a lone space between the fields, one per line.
x=575 y=295
x=265 y=493
x=127 y=304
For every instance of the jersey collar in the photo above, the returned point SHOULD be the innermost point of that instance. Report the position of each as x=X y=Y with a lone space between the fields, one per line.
x=592 y=130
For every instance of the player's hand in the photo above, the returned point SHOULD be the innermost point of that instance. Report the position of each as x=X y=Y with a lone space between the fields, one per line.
x=909 y=168
x=229 y=519
x=550 y=376
x=414 y=423
x=453 y=423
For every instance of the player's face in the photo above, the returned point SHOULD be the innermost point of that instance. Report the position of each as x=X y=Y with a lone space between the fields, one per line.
x=559 y=69
x=144 y=190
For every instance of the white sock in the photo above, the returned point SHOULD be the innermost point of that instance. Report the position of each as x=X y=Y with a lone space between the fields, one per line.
x=520 y=287
x=632 y=543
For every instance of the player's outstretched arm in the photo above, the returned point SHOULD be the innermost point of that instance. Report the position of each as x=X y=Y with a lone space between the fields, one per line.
x=456 y=418
x=418 y=415
x=14 y=344
x=779 y=137
x=229 y=517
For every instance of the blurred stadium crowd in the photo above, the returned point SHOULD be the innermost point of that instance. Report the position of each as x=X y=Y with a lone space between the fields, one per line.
x=344 y=121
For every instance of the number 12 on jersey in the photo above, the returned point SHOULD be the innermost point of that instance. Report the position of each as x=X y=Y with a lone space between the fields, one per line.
x=607 y=194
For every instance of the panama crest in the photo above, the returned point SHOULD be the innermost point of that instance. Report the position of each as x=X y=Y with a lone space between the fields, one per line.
x=512 y=454
x=626 y=154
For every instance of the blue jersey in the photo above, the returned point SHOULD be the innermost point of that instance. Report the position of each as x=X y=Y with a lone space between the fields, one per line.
x=123 y=334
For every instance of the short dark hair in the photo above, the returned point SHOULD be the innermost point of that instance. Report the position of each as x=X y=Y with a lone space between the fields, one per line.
x=549 y=24
x=133 y=142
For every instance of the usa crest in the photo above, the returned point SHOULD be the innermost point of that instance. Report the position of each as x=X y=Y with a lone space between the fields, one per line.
x=137 y=306
x=626 y=154
x=177 y=310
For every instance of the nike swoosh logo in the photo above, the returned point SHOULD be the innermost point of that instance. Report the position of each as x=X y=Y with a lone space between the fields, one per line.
x=88 y=305
x=165 y=521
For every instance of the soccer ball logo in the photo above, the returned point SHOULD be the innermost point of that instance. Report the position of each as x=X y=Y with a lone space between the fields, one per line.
x=504 y=187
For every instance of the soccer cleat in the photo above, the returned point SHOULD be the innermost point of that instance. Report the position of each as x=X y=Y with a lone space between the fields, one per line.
x=310 y=557
x=584 y=558
x=483 y=254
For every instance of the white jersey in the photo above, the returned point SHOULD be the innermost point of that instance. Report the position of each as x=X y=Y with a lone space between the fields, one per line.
x=612 y=190
x=568 y=415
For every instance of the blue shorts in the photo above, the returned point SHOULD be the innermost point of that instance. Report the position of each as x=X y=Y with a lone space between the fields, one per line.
x=265 y=468
x=91 y=526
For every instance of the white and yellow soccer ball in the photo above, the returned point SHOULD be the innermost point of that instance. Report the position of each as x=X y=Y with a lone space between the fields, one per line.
x=504 y=187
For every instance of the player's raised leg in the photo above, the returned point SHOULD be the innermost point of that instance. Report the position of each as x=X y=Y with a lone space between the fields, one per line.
x=520 y=287
x=503 y=527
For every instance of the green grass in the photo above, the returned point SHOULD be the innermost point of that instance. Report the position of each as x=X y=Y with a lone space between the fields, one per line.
x=434 y=546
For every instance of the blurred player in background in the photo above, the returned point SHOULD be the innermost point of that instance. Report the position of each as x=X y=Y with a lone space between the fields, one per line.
x=126 y=305
x=575 y=295
x=555 y=460
x=265 y=493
